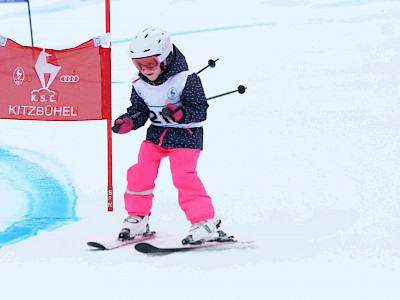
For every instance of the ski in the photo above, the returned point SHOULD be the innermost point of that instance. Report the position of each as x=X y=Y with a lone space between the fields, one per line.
x=117 y=243
x=152 y=249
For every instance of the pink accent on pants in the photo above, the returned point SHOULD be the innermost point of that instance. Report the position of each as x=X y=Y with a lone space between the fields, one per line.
x=193 y=198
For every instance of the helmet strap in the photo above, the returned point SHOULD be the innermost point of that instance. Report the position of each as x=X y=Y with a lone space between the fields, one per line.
x=167 y=61
x=163 y=65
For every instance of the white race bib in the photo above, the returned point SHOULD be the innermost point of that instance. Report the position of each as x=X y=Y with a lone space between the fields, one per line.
x=157 y=97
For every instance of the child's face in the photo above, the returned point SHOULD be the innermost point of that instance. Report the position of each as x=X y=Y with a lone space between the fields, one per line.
x=152 y=75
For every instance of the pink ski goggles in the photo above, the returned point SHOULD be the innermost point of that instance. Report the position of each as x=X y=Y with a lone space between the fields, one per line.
x=146 y=63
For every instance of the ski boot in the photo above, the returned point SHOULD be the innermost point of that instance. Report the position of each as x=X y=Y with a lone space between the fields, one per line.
x=206 y=231
x=135 y=226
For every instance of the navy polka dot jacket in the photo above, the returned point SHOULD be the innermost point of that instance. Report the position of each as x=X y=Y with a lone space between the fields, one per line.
x=194 y=109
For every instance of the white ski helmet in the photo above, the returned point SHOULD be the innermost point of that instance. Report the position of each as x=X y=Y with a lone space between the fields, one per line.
x=149 y=42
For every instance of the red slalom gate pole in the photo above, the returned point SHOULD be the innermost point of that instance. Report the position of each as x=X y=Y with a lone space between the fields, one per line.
x=110 y=191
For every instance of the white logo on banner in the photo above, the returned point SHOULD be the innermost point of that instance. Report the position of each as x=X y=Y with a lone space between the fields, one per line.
x=69 y=78
x=42 y=67
x=19 y=76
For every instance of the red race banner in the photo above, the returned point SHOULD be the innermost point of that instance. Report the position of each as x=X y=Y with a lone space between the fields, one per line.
x=55 y=85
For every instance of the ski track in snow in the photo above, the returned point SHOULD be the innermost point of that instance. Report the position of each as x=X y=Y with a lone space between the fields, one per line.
x=50 y=201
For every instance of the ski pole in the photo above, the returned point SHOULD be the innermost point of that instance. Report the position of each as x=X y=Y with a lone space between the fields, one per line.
x=241 y=89
x=211 y=64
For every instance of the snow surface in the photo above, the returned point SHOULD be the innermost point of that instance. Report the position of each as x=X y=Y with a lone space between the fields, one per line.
x=306 y=162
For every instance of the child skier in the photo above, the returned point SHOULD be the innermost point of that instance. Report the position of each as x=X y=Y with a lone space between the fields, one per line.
x=172 y=97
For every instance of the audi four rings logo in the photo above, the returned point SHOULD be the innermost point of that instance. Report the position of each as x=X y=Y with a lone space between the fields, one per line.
x=69 y=78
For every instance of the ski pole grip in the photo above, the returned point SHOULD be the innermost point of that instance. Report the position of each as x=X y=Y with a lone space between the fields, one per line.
x=166 y=112
x=115 y=128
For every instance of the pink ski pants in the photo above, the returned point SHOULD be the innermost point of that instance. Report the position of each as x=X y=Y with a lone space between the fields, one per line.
x=193 y=198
